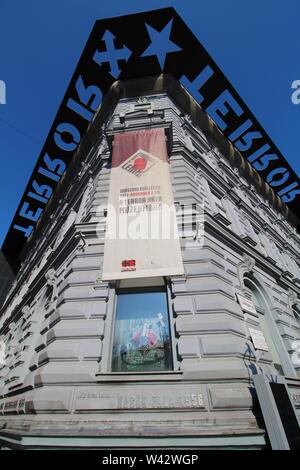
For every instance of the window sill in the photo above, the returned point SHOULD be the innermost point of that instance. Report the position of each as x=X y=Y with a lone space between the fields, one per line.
x=139 y=376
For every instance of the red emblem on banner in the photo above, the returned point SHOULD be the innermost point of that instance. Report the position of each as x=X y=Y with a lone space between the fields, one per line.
x=139 y=163
x=128 y=265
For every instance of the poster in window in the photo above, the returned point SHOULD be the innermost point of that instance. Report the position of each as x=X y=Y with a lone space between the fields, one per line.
x=142 y=334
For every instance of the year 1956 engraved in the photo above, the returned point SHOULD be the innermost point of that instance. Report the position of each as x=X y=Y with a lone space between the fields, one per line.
x=135 y=401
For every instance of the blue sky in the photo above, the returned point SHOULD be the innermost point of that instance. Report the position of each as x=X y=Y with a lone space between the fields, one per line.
x=256 y=44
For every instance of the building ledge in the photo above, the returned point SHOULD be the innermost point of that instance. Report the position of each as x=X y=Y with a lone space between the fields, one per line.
x=139 y=377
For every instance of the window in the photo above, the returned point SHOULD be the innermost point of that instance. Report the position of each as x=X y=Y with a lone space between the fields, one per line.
x=142 y=332
x=265 y=325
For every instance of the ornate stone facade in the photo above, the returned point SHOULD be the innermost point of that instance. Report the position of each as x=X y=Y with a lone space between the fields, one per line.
x=58 y=317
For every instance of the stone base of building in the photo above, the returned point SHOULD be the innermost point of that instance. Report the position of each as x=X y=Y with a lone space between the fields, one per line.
x=92 y=434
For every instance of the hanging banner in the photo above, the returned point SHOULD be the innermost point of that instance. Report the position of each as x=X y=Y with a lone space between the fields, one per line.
x=141 y=233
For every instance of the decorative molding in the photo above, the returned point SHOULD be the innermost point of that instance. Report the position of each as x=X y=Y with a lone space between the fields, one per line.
x=245 y=266
x=51 y=281
x=26 y=312
x=84 y=243
x=85 y=167
x=292 y=298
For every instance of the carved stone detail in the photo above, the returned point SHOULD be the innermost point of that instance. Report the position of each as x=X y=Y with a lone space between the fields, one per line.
x=292 y=298
x=51 y=281
x=245 y=266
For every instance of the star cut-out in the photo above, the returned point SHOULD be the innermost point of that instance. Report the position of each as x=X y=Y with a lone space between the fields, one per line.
x=160 y=43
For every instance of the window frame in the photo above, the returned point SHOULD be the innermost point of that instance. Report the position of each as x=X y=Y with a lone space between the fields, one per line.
x=108 y=340
x=265 y=311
